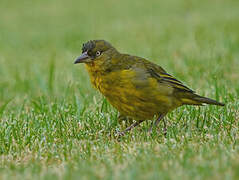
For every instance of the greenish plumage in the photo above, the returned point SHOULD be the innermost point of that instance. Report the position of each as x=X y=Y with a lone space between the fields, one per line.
x=135 y=86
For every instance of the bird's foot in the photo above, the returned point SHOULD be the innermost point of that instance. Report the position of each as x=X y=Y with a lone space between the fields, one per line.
x=165 y=131
x=149 y=133
x=165 y=128
x=120 y=134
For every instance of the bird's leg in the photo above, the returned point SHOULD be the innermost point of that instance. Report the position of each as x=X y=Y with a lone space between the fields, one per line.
x=165 y=127
x=156 y=123
x=122 y=133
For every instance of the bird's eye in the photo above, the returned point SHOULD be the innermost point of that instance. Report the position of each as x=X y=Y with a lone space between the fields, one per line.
x=98 y=53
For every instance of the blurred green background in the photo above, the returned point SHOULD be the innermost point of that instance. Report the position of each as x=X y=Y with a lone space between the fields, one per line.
x=54 y=124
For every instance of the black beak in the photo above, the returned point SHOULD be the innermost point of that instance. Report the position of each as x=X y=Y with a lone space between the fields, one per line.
x=84 y=56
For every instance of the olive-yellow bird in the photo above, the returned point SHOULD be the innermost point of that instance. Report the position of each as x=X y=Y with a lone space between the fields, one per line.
x=136 y=87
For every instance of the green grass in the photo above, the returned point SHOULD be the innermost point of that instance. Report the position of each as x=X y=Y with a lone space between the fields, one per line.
x=53 y=124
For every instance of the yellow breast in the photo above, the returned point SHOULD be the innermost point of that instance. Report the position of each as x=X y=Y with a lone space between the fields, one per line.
x=132 y=96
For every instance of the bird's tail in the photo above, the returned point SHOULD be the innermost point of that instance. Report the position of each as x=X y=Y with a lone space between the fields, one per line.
x=200 y=100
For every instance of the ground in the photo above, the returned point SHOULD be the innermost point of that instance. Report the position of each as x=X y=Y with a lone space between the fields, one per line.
x=54 y=125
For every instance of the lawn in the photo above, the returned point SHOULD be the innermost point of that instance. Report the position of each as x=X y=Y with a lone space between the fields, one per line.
x=54 y=125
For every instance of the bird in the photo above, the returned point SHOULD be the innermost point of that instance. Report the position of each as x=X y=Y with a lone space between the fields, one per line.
x=136 y=87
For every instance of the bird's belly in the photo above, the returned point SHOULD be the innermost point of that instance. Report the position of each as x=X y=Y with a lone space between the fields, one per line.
x=134 y=96
x=134 y=102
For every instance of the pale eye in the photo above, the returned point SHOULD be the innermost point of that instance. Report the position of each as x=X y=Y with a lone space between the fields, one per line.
x=98 y=53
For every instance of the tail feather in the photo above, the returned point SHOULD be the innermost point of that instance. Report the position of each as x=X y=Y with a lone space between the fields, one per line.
x=206 y=100
x=200 y=100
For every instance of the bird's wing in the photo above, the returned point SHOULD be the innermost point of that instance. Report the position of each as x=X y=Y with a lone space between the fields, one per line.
x=155 y=71
x=161 y=75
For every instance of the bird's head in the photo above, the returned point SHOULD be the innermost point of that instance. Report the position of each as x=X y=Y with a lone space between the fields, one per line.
x=95 y=50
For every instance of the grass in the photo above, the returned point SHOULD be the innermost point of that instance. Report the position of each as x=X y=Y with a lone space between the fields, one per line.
x=54 y=125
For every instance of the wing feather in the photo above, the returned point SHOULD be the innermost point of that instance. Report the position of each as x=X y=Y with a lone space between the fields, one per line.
x=155 y=71
x=165 y=77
